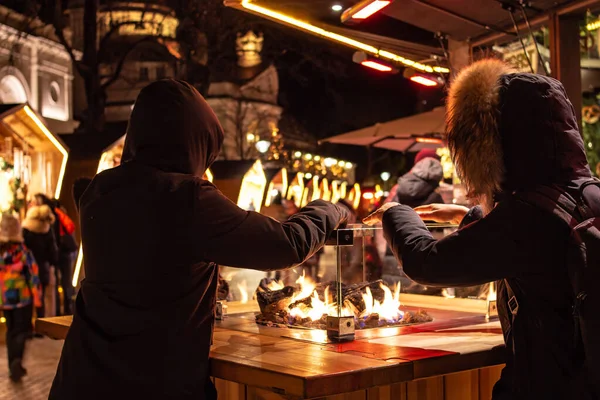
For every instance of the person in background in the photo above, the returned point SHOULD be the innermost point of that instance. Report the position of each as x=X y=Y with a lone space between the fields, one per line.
x=67 y=253
x=39 y=238
x=19 y=292
x=418 y=186
x=63 y=229
x=153 y=233
x=415 y=188
x=510 y=133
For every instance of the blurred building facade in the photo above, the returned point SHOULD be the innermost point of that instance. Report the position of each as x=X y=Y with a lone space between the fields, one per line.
x=36 y=69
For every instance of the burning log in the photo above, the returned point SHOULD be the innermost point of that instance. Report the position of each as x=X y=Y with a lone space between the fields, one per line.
x=372 y=304
x=271 y=301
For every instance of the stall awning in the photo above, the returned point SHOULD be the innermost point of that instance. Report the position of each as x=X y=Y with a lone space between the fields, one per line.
x=405 y=134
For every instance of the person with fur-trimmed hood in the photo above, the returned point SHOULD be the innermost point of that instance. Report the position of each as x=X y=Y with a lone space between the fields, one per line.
x=508 y=133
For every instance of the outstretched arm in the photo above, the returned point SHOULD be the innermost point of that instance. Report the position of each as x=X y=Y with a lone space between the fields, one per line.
x=259 y=242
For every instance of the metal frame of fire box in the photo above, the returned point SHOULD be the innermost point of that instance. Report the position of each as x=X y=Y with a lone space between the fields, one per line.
x=342 y=328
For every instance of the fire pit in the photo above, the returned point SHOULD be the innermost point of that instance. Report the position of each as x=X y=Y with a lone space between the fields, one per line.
x=308 y=305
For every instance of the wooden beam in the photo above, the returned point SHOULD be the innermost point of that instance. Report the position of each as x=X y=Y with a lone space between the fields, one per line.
x=565 y=60
x=460 y=55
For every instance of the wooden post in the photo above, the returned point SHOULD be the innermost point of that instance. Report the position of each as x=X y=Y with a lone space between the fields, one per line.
x=565 y=60
x=460 y=55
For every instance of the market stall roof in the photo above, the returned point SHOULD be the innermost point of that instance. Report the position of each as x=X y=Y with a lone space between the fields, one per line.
x=26 y=125
x=409 y=26
x=405 y=134
x=85 y=146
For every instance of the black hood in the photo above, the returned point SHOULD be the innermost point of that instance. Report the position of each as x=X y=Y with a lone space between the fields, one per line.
x=541 y=142
x=173 y=128
x=420 y=182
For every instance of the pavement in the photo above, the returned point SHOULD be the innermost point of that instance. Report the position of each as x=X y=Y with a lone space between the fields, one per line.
x=41 y=359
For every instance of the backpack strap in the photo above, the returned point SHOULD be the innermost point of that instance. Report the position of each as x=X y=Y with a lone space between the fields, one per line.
x=556 y=202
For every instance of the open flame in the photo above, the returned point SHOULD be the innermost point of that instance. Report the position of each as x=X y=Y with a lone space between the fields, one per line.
x=275 y=285
x=387 y=310
x=243 y=288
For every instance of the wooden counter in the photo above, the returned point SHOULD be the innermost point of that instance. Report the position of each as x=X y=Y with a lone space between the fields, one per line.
x=457 y=356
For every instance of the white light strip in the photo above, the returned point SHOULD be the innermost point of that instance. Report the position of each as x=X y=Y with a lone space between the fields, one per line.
x=78 y=266
x=56 y=143
x=340 y=38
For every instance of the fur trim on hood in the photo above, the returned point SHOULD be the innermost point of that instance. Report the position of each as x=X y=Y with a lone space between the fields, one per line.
x=510 y=132
x=39 y=219
x=472 y=122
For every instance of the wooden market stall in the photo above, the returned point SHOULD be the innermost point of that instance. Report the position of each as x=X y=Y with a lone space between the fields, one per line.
x=33 y=158
x=243 y=182
x=278 y=184
x=296 y=188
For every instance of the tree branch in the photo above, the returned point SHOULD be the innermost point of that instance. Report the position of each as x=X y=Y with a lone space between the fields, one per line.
x=113 y=29
x=121 y=63
x=61 y=37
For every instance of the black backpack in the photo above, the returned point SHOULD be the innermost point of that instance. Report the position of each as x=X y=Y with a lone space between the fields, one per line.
x=583 y=266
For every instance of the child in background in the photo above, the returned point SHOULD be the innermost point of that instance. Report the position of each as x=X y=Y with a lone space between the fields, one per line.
x=19 y=292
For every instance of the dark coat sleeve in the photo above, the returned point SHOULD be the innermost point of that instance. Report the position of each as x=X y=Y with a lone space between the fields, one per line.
x=247 y=239
x=501 y=245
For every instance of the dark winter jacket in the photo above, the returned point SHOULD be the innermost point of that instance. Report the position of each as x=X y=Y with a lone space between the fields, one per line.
x=152 y=231
x=42 y=245
x=417 y=187
x=39 y=237
x=540 y=144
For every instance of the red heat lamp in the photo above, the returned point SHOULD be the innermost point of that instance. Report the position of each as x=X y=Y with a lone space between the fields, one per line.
x=422 y=79
x=364 y=10
x=361 y=58
x=377 y=66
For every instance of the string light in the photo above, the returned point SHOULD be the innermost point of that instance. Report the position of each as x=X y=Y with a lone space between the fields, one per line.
x=367 y=48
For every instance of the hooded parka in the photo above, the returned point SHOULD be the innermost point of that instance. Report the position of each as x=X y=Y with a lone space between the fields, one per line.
x=511 y=132
x=418 y=187
x=153 y=231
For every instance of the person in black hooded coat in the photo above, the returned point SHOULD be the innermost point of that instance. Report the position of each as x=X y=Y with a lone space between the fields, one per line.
x=153 y=231
x=418 y=187
x=508 y=133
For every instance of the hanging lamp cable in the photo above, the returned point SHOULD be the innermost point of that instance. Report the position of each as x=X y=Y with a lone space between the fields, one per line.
x=537 y=48
x=511 y=10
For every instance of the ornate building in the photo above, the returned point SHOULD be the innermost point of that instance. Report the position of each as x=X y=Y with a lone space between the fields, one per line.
x=246 y=103
x=35 y=69
x=139 y=47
